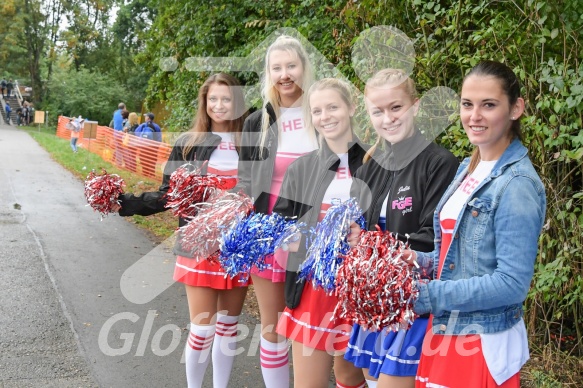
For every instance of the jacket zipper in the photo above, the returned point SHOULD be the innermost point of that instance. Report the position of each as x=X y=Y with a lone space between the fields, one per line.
x=378 y=197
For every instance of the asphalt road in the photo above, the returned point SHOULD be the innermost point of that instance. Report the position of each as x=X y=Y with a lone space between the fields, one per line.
x=85 y=302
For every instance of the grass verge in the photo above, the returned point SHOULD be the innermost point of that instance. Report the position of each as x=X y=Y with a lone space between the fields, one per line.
x=158 y=226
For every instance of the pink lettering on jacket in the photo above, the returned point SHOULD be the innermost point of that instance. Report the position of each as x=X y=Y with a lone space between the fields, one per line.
x=402 y=203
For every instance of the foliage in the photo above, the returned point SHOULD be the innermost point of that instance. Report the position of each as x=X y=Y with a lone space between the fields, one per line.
x=220 y=29
x=539 y=39
x=35 y=34
x=14 y=64
x=90 y=94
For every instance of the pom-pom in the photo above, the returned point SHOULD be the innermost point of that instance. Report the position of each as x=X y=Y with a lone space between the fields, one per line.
x=187 y=187
x=376 y=288
x=102 y=191
x=253 y=238
x=201 y=236
x=328 y=244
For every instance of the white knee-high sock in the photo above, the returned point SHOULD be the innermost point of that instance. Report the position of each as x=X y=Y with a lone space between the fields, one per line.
x=196 y=355
x=224 y=349
x=371 y=383
x=274 y=364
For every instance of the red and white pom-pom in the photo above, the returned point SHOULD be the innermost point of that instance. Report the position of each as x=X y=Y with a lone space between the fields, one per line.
x=187 y=187
x=375 y=287
x=102 y=191
x=202 y=235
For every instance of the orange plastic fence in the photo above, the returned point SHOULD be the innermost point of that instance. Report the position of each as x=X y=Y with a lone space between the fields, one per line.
x=141 y=156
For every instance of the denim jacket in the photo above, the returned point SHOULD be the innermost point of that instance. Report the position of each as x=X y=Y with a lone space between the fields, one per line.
x=489 y=266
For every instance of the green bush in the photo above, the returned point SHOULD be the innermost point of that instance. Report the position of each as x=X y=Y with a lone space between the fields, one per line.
x=539 y=39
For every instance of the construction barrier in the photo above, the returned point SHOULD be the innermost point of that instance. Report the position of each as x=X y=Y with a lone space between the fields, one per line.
x=141 y=156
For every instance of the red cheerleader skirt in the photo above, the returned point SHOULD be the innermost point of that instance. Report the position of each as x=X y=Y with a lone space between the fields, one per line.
x=203 y=273
x=456 y=361
x=310 y=322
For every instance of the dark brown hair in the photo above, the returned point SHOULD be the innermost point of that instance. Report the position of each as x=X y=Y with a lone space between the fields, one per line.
x=510 y=86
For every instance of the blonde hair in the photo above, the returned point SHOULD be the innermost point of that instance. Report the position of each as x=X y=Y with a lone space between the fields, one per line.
x=389 y=79
x=341 y=87
x=201 y=124
x=269 y=93
x=133 y=118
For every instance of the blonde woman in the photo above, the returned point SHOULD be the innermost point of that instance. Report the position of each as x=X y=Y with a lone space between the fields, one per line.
x=310 y=186
x=400 y=187
x=129 y=151
x=273 y=137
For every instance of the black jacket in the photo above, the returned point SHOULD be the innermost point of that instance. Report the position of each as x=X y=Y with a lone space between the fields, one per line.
x=153 y=202
x=302 y=192
x=414 y=174
x=256 y=163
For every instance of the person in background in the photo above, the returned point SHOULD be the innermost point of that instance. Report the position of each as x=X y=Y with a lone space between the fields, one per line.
x=9 y=87
x=487 y=227
x=272 y=138
x=124 y=115
x=130 y=150
x=117 y=120
x=76 y=126
x=149 y=129
x=8 y=112
x=117 y=123
x=3 y=87
x=132 y=123
x=26 y=110
x=19 y=116
x=215 y=301
x=399 y=188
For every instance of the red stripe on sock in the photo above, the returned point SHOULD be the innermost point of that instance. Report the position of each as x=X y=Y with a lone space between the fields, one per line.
x=226 y=329
x=199 y=343
x=273 y=366
x=274 y=359
x=195 y=337
x=232 y=333
x=273 y=352
x=226 y=325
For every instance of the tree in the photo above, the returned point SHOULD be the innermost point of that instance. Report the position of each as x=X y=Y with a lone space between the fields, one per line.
x=82 y=92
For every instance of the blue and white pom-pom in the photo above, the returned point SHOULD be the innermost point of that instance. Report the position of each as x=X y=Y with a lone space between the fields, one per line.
x=252 y=239
x=329 y=245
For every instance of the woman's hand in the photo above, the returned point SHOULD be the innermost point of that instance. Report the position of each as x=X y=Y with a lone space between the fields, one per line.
x=410 y=257
x=353 y=235
x=293 y=245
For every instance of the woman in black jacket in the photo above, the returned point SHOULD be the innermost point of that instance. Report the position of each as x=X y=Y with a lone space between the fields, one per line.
x=214 y=300
x=310 y=186
x=273 y=137
x=399 y=188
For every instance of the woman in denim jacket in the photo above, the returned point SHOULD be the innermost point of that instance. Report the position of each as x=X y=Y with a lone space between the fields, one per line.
x=486 y=237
